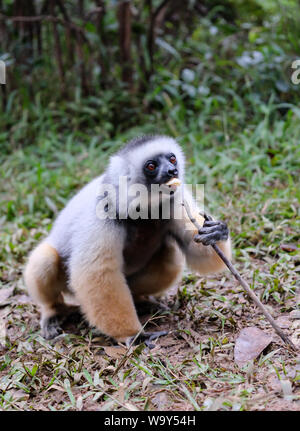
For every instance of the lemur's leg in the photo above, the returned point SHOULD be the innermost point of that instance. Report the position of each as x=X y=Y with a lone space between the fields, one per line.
x=163 y=270
x=45 y=282
x=101 y=289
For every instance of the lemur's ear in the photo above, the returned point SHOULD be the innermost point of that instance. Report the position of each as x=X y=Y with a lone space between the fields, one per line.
x=117 y=167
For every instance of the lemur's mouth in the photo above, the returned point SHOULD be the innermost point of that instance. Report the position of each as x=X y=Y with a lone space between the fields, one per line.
x=173 y=183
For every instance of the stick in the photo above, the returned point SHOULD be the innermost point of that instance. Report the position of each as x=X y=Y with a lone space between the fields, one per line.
x=243 y=283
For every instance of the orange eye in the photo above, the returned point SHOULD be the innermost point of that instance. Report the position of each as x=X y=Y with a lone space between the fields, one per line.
x=151 y=166
x=173 y=160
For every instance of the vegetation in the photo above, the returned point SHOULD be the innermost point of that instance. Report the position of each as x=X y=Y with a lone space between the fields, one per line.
x=215 y=75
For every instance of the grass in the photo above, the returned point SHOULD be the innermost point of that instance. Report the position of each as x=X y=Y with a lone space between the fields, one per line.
x=251 y=180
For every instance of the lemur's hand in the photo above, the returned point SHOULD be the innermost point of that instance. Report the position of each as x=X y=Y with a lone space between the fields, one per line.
x=212 y=232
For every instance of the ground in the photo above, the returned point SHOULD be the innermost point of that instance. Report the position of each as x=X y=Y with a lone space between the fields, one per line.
x=193 y=367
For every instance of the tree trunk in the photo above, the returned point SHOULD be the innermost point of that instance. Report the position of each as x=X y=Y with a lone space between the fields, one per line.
x=124 y=17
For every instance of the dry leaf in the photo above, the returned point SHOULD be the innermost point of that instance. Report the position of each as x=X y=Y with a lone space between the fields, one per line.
x=289 y=247
x=58 y=388
x=115 y=352
x=249 y=344
x=20 y=395
x=167 y=341
x=79 y=403
x=131 y=407
x=283 y=322
x=295 y=314
x=5 y=294
x=160 y=400
x=287 y=390
x=23 y=299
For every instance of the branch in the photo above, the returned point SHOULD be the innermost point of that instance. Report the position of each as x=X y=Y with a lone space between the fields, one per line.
x=50 y=18
x=152 y=30
x=124 y=18
x=57 y=46
x=243 y=283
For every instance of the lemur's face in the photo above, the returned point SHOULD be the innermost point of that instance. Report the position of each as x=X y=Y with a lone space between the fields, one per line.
x=161 y=168
x=157 y=160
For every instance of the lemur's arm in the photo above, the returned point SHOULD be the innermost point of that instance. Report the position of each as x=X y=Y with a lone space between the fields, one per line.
x=200 y=257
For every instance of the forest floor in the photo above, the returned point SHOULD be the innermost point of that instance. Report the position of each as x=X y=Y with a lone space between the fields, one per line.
x=193 y=367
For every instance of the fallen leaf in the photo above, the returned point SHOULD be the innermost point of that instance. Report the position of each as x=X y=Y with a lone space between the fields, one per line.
x=58 y=388
x=167 y=341
x=23 y=299
x=287 y=390
x=283 y=322
x=79 y=402
x=249 y=344
x=20 y=395
x=274 y=383
x=3 y=315
x=295 y=314
x=160 y=400
x=131 y=407
x=296 y=324
x=115 y=352
x=289 y=247
x=5 y=294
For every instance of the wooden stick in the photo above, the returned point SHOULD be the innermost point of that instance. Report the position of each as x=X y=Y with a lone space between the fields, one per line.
x=243 y=283
x=49 y=18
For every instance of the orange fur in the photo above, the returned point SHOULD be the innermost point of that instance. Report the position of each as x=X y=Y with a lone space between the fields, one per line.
x=105 y=298
x=45 y=280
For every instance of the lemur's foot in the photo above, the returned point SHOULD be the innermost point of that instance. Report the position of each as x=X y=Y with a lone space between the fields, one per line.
x=212 y=232
x=51 y=327
x=146 y=338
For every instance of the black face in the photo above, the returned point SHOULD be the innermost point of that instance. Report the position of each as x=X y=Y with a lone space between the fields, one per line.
x=161 y=168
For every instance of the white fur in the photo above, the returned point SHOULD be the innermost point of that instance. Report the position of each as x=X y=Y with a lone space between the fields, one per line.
x=78 y=220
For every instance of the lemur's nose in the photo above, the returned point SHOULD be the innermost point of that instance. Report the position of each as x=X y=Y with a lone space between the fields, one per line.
x=172 y=172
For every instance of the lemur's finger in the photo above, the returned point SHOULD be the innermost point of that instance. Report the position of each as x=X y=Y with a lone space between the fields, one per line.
x=207 y=217
x=51 y=327
x=211 y=223
x=205 y=230
x=147 y=337
x=209 y=239
x=198 y=239
x=212 y=238
x=157 y=334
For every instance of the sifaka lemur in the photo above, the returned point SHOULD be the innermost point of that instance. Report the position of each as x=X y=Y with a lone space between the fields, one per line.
x=108 y=263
